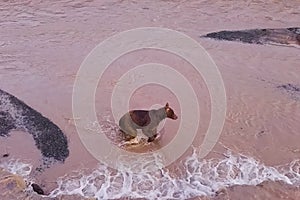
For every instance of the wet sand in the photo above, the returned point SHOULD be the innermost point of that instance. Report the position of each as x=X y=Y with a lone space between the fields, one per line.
x=43 y=45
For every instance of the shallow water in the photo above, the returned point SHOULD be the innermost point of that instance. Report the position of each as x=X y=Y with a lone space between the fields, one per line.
x=43 y=44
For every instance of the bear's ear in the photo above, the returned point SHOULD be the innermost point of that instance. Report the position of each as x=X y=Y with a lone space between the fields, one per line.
x=167 y=105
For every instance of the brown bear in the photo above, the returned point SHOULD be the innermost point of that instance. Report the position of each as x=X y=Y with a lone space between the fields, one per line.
x=147 y=120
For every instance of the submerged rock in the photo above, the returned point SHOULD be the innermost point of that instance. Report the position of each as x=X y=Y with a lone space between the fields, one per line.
x=291 y=89
x=5 y=155
x=284 y=36
x=49 y=139
x=37 y=189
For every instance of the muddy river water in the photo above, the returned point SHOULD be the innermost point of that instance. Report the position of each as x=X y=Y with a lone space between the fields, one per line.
x=43 y=43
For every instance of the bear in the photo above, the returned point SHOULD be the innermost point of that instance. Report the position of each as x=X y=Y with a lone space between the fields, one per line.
x=147 y=120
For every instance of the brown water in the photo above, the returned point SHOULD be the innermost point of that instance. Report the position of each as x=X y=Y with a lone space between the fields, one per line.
x=44 y=43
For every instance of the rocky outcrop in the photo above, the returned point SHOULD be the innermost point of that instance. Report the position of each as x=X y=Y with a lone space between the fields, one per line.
x=49 y=139
x=283 y=36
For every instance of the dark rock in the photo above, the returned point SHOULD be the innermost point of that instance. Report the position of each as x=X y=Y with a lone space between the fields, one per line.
x=285 y=36
x=49 y=139
x=294 y=30
x=249 y=36
x=6 y=123
x=5 y=155
x=37 y=189
x=289 y=87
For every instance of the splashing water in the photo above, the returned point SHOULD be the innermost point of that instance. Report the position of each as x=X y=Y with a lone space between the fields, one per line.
x=201 y=177
x=17 y=167
x=198 y=177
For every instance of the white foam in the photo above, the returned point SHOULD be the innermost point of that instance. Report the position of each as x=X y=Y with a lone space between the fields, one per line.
x=198 y=177
x=195 y=177
x=17 y=167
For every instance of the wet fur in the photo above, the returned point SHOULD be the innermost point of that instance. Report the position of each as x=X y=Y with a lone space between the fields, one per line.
x=145 y=120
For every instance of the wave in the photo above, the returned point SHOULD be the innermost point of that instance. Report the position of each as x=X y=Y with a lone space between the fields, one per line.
x=197 y=178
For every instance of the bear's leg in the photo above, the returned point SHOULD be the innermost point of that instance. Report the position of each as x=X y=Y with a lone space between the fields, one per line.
x=151 y=133
x=129 y=134
x=151 y=139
